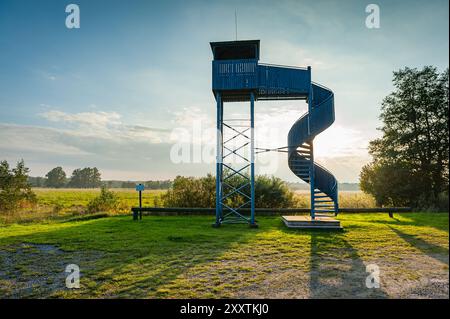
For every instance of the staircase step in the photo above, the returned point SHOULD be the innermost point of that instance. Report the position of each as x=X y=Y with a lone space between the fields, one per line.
x=328 y=206
x=325 y=222
x=319 y=215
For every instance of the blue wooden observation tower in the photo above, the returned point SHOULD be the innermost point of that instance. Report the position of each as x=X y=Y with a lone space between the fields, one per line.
x=238 y=76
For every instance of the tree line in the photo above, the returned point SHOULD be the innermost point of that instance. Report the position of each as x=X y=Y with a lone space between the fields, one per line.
x=89 y=178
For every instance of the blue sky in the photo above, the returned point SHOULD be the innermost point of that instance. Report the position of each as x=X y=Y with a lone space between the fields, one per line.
x=111 y=93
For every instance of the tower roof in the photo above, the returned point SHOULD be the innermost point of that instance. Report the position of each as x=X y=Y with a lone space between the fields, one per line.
x=234 y=50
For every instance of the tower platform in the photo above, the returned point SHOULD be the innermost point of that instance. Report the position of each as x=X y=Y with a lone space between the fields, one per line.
x=305 y=222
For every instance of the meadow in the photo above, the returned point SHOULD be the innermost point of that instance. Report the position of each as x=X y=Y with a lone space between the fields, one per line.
x=184 y=257
x=66 y=203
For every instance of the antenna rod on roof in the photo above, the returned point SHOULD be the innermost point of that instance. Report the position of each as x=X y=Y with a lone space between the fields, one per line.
x=235 y=22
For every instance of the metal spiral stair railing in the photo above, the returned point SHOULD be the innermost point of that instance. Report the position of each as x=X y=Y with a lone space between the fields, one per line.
x=324 y=198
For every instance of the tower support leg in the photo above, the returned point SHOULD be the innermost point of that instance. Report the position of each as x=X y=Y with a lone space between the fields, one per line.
x=252 y=160
x=311 y=181
x=219 y=159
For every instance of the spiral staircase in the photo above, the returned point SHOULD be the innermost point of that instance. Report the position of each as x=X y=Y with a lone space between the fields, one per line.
x=324 y=186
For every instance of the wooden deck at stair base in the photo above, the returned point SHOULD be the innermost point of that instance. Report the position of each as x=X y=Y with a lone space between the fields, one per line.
x=306 y=222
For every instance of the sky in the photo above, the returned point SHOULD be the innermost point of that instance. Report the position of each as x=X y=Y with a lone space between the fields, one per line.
x=133 y=83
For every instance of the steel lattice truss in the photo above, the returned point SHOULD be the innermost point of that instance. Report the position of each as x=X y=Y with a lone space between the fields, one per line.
x=235 y=145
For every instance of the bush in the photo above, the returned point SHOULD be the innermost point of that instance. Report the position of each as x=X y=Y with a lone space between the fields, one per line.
x=15 y=191
x=106 y=201
x=191 y=192
x=270 y=192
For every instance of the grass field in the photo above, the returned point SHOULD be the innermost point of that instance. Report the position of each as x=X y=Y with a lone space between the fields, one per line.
x=73 y=197
x=177 y=257
x=63 y=203
x=67 y=203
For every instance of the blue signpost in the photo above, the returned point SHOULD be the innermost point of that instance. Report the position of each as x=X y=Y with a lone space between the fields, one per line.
x=140 y=188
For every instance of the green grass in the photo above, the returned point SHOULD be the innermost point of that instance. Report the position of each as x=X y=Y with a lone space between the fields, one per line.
x=65 y=203
x=178 y=257
x=81 y=197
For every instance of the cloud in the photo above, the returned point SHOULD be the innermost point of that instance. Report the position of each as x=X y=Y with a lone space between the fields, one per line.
x=106 y=125
x=43 y=148
x=31 y=139
x=89 y=118
x=286 y=53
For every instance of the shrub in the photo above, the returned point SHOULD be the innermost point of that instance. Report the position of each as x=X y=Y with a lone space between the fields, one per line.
x=15 y=191
x=106 y=201
x=270 y=192
x=191 y=192
x=57 y=209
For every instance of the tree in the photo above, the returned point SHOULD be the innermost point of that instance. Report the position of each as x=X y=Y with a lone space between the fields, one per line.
x=410 y=160
x=85 y=178
x=14 y=187
x=56 y=178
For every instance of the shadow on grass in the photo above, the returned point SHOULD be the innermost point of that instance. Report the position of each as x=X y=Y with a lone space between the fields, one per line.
x=435 y=251
x=138 y=258
x=438 y=221
x=336 y=270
